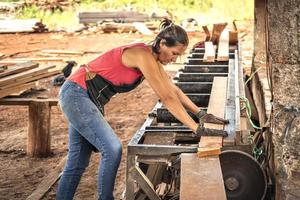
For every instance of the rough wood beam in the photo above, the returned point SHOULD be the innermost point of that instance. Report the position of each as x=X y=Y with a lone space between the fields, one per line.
x=38 y=141
x=209 y=55
x=223 y=48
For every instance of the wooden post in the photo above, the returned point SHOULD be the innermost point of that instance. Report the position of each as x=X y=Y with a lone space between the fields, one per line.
x=260 y=30
x=38 y=142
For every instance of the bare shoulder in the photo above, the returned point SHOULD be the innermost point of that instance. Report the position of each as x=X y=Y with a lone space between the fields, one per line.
x=135 y=56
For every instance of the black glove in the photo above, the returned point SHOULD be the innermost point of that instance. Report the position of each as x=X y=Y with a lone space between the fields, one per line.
x=210 y=118
x=202 y=131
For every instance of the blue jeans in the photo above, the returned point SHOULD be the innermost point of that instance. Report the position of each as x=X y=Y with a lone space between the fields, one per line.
x=87 y=130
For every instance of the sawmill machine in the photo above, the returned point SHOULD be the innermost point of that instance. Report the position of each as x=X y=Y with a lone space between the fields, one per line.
x=155 y=153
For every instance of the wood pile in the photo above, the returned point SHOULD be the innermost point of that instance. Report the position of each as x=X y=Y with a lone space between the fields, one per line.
x=51 y=4
x=22 y=25
x=10 y=6
x=218 y=39
x=20 y=77
x=115 y=16
x=108 y=27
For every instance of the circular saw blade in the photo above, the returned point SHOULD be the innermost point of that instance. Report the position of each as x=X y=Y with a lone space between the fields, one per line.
x=243 y=176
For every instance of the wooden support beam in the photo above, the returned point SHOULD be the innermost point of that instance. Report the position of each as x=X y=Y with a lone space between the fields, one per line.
x=223 y=47
x=26 y=101
x=155 y=171
x=209 y=55
x=144 y=183
x=38 y=141
x=17 y=60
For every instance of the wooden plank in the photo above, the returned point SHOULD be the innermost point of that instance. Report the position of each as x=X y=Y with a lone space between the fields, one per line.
x=31 y=59
x=54 y=51
x=209 y=55
x=26 y=101
x=209 y=145
x=223 y=48
x=30 y=79
x=216 y=32
x=111 y=14
x=19 y=68
x=144 y=183
x=48 y=181
x=217 y=101
x=142 y=28
x=212 y=145
x=233 y=37
x=32 y=72
x=4 y=93
x=201 y=178
x=11 y=62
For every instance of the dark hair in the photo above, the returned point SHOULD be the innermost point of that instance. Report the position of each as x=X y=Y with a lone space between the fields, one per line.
x=173 y=34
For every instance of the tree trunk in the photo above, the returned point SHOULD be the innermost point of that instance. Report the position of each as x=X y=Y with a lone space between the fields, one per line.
x=283 y=50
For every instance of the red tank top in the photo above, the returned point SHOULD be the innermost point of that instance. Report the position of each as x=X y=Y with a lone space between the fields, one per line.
x=109 y=65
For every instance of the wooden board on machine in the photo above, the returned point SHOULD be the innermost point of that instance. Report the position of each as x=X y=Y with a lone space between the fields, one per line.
x=201 y=177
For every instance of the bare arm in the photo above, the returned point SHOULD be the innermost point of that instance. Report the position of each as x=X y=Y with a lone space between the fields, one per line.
x=186 y=102
x=160 y=83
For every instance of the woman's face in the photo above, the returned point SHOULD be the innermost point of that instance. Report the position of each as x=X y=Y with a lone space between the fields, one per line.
x=170 y=54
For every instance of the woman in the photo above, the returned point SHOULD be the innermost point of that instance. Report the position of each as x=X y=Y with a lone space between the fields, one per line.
x=118 y=70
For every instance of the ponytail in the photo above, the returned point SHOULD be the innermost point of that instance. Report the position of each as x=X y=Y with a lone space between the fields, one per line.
x=171 y=33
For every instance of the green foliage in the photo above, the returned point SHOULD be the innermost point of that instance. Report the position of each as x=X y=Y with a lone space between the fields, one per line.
x=53 y=19
x=204 y=11
x=9 y=0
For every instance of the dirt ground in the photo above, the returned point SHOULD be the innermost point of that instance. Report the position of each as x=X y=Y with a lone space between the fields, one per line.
x=19 y=174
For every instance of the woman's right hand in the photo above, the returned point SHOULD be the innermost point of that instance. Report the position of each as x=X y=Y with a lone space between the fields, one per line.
x=202 y=131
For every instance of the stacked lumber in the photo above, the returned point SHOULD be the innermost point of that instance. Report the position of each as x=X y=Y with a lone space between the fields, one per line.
x=10 y=6
x=21 y=77
x=116 y=16
x=220 y=37
x=109 y=27
x=51 y=4
x=21 y=25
